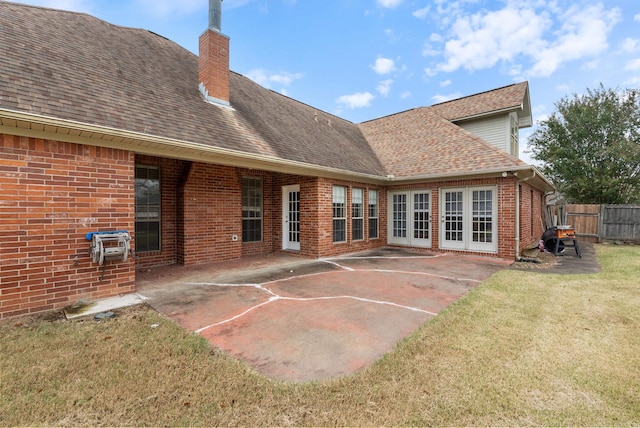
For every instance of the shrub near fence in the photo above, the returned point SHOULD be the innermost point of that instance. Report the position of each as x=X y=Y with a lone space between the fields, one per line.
x=597 y=223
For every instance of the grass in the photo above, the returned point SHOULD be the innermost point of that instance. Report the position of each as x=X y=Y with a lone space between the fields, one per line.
x=523 y=348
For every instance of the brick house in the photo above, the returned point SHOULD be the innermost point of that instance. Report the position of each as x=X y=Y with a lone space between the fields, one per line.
x=104 y=128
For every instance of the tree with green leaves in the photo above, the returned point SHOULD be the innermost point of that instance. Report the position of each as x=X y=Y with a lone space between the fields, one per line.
x=590 y=146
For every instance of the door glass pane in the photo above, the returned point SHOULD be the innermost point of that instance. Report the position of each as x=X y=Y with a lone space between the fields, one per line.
x=400 y=216
x=453 y=216
x=421 y=215
x=482 y=216
x=294 y=217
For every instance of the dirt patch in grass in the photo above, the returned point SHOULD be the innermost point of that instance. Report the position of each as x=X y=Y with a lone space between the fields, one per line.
x=517 y=350
x=535 y=259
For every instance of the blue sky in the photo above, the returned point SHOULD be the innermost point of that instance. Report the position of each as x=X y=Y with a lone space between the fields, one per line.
x=363 y=59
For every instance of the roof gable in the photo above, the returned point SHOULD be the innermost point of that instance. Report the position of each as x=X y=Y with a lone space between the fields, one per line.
x=419 y=142
x=506 y=99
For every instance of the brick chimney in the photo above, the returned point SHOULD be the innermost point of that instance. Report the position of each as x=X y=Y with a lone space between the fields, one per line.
x=213 y=62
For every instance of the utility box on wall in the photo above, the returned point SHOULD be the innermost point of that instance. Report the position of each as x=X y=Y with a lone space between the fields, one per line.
x=112 y=246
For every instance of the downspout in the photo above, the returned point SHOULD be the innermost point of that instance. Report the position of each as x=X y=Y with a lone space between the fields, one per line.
x=518 y=182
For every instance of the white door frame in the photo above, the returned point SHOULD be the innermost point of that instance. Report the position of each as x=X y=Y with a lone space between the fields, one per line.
x=472 y=214
x=290 y=219
x=402 y=222
x=453 y=219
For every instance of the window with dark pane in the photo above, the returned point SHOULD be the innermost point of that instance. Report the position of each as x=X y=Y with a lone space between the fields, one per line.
x=251 y=209
x=357 y=214
x=339 y=214
x=147 y=208
x=373 y=214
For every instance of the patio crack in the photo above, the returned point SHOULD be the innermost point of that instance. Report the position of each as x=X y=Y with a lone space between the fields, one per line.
x=276 y=297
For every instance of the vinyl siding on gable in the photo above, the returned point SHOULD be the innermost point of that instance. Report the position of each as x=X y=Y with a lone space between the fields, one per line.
x=494 y=130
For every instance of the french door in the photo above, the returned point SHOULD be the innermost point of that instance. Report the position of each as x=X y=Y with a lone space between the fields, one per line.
x=469 y=219
x=410 y=218
x=291 y=217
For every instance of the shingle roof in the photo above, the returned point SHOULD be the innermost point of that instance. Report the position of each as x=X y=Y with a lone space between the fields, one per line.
x=509 y=97
x=73 y=66
x=419 y=142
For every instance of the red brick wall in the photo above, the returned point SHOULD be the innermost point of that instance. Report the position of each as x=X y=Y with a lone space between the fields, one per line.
x=213 y=63
x=531 y=215
x=51 y=195
x=212 y=213
x=507 y=218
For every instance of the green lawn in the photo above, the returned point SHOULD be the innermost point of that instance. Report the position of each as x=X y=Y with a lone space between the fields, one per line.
x=523 y=348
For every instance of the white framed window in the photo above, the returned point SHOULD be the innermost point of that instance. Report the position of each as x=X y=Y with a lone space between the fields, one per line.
x=147 y=208
x=339 y=214
x=373 y=214
x=251 y=209
x=357 y=214
x=514 y=135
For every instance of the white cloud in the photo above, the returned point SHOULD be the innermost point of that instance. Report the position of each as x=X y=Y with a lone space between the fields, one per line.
x=591 y=65
x=384 y=87
x=583 y=34
x=539 y=35
x=357 y=100
x=267 y=78
x=389 y=4
x=637 y=17
x=430 y=72
x=482 y=40
x=630 y=45
x=633 y=82
x=422 y=13
x=515 y=70
x=429 y=50
x=384 y=66
x=445 y=83
x=442 y=98
x=405 y=95
x=541 y=118
x=633 y=65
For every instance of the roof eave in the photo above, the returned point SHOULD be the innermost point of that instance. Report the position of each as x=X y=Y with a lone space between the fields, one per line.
x=536 y=176
x=524 y=120
x=45 y=127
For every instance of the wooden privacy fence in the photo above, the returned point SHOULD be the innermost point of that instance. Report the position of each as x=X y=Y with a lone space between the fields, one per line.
x=598 y=223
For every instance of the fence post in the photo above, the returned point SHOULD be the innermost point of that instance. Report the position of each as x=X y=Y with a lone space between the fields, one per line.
x=601 y=223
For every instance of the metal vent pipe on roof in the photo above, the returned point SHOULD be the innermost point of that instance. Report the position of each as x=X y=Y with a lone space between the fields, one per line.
x=215 y=15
